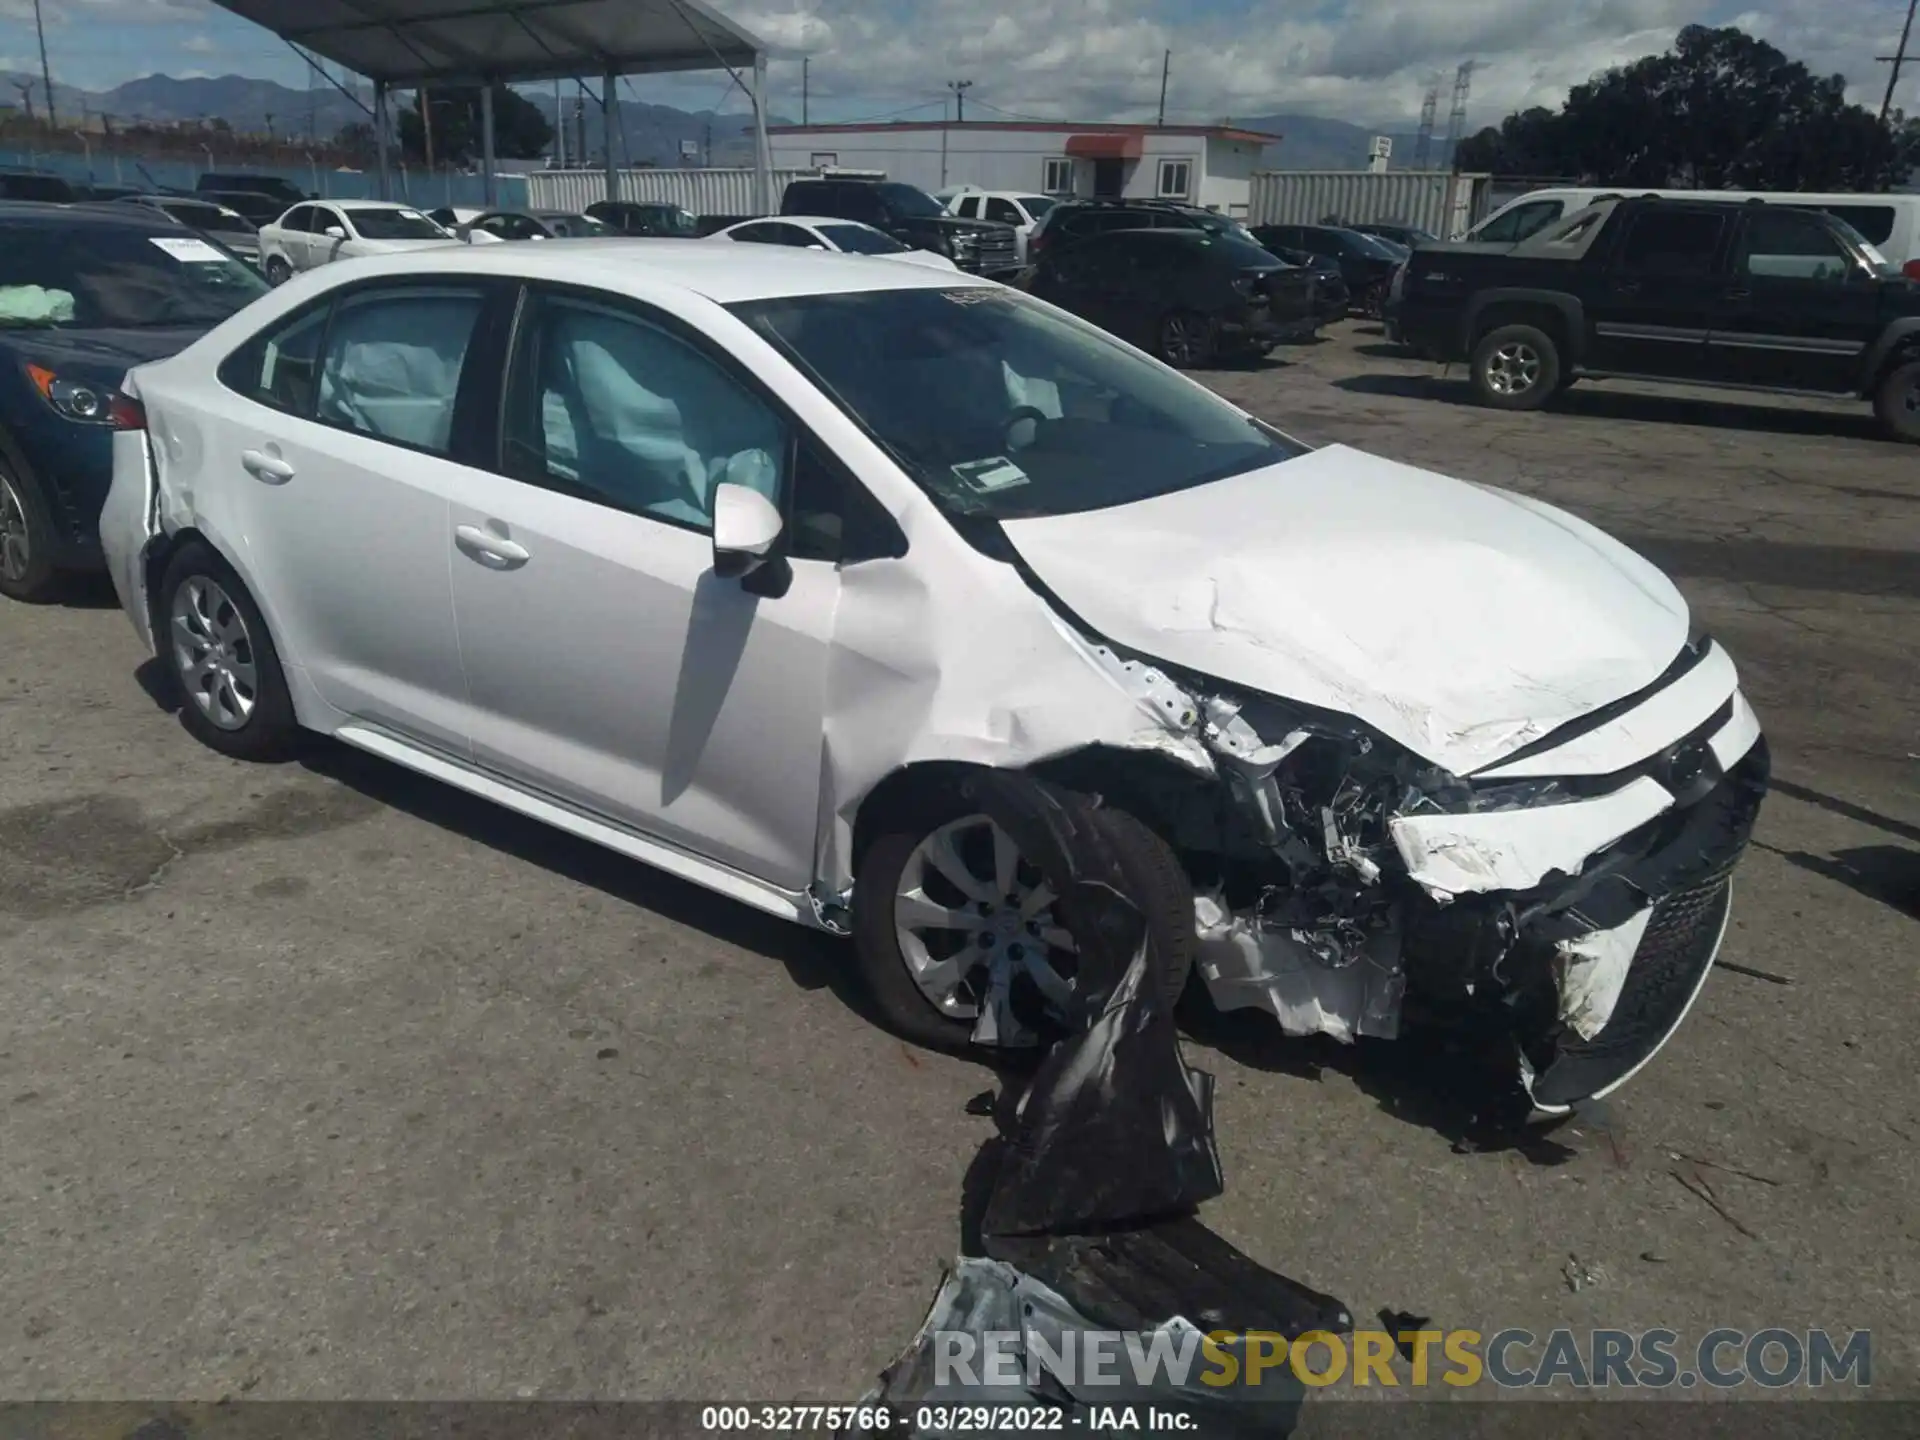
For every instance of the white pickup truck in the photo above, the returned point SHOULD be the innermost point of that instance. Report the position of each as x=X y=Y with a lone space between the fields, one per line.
x=1019 y=208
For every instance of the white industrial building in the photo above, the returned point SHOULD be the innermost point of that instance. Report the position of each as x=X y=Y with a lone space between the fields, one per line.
x=1209 y=165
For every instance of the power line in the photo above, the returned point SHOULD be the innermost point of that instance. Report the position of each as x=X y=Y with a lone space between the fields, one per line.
x=1897 y=59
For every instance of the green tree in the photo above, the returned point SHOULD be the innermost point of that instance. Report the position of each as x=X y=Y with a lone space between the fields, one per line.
x=1719 y=110
x=520 y=128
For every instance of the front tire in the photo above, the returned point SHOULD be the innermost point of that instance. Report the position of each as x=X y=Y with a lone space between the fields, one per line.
x=278 y=271
x=221 y=660
x=1897 y=402
x=1184 y=340
x=26 y=540
x=1516 y=367
x=934 y=932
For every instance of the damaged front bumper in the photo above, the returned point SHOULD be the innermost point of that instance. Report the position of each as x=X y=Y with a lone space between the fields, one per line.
x=1575 y=916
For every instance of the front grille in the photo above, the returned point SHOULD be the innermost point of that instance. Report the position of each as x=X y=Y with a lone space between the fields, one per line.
x=995 y=250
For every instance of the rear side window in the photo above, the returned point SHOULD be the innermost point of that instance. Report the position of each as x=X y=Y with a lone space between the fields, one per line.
x=391 y=364
x=1672 y=242
x=278 y=369
x=299 y=218
x=1520 y=222
x=1781 y=245
x=1873 y=223
x=1004 y=212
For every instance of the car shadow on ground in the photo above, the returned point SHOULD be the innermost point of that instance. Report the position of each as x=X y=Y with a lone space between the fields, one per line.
x=1427 y=1078
x=1591 y=401
x=1887 y=873
x=1383 y=350
x=79 y=590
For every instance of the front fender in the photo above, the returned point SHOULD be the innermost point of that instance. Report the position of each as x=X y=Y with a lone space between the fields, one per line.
x=1897 y=333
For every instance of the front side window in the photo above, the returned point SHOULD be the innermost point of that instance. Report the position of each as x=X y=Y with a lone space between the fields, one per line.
x=371 y=223
x=908 y=202
x=998 y=406
x=607 y=406
x=1672 y=242
x=117 y=277
x=1780 y=245
x=391 y=368
x=1005 y=212
x=1176 y=178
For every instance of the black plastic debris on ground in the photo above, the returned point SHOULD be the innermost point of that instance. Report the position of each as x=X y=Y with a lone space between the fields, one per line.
x=1082 y=1236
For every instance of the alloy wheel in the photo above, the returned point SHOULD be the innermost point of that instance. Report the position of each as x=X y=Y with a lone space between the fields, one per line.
x=972 y=917
x=1513 y=369
x=1179 y=339
x=213 y=653
x=16 y=543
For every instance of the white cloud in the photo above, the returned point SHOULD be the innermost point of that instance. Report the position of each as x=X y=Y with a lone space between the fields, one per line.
x=199 y=45
x=1368 y=60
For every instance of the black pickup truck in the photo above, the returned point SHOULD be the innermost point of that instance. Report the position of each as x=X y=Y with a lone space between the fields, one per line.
x=912 y=217
x=1743 y=295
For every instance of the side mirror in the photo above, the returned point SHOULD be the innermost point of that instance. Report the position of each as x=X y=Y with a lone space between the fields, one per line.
x=334 y=232
x=746 y=526
x=816 y=246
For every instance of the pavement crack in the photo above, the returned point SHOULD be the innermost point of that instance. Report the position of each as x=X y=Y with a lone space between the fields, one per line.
x=155 y=876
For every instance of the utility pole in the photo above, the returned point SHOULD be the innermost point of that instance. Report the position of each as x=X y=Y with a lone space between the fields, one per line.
x=559 y=130
x=580 y=124
x=1897 y=59
x=1166 y=64
x=46 y=73
x=1457 y=119
x=424 y=104
x=1423 y=142
x=804 y=63
x=960 y=88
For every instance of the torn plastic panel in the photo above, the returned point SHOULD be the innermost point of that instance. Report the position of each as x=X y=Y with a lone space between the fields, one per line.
x=1085 y=1210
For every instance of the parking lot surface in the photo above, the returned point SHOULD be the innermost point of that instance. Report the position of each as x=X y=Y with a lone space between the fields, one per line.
x=323 y=1081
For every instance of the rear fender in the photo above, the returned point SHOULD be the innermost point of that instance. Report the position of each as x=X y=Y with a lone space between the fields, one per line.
x=1571 y=312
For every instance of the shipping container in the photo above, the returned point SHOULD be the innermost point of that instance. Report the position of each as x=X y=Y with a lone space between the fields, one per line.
x=1433 y=200
x=704 y=192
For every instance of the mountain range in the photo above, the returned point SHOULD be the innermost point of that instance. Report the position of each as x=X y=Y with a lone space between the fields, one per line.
x=653 y=133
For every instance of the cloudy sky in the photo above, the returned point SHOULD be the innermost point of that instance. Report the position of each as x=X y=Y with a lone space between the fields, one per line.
x=1362 y=60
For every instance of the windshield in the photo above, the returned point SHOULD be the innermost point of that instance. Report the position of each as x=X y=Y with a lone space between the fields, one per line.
x=909 y=202
x=114 y=277
x=379 y=224
x=861 y=240
x=998 y=406
x=576 y=225
x=206 y=217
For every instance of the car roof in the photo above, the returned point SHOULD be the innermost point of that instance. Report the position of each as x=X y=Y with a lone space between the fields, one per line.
x=807 y=220
x=105 y=212
x=369 y=204
x=724 y=274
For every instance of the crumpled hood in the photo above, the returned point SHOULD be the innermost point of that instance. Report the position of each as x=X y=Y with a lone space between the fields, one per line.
x=1458 y=620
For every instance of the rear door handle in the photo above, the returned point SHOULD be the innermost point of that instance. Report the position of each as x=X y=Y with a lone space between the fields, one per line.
x=1627 y=287
x=262 y=466
x=494 y=551
x=1739 y=294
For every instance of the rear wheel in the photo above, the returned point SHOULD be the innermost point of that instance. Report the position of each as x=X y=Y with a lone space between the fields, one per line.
x=1185 y=339
x=26 y=540
x=1897 y=401
x=233 y=696
x=956 y=934
x=1516 y=367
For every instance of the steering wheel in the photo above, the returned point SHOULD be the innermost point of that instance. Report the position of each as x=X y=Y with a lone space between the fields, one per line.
x=1023 y=427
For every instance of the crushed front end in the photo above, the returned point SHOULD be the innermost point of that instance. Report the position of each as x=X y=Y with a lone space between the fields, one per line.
x=1566 y=900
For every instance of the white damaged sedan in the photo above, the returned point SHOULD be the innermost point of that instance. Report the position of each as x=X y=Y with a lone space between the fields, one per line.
x=742 y=560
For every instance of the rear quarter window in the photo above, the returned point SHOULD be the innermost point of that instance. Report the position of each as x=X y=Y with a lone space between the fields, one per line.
x=1873 y=223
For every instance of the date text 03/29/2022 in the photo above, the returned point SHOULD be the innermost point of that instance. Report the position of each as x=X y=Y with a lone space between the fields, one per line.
x=984 y=1419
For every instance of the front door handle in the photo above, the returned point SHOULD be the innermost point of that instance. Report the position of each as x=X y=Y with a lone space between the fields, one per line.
x=494 y=551
x=1739 y=294
x=262 y=466
x=1627 y=287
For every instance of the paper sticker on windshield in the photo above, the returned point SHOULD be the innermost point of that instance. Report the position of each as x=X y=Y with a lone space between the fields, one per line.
x=187 y=248
x=984 y=477
x=978 y=295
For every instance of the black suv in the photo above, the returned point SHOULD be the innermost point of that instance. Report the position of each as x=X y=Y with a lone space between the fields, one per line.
x=911 y=216
x=1699 y=292
x=654 y=219
x=1071 y=221
x=1187 y=294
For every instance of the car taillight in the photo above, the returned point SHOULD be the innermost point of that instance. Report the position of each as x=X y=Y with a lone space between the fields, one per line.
x=87 y=402
x=1911 y=270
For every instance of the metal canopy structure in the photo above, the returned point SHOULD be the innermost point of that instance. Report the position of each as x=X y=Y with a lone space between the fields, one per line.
x=426 y=43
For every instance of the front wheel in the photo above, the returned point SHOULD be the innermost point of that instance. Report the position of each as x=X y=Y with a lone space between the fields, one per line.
x=1516 y=367
x=26 y=540
x=956 y=936
x=1897 y=402
x=278 y=270
x=1185 y=339
x=233 y=695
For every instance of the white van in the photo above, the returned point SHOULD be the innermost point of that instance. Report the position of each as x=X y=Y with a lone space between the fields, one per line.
x=1890 y=223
